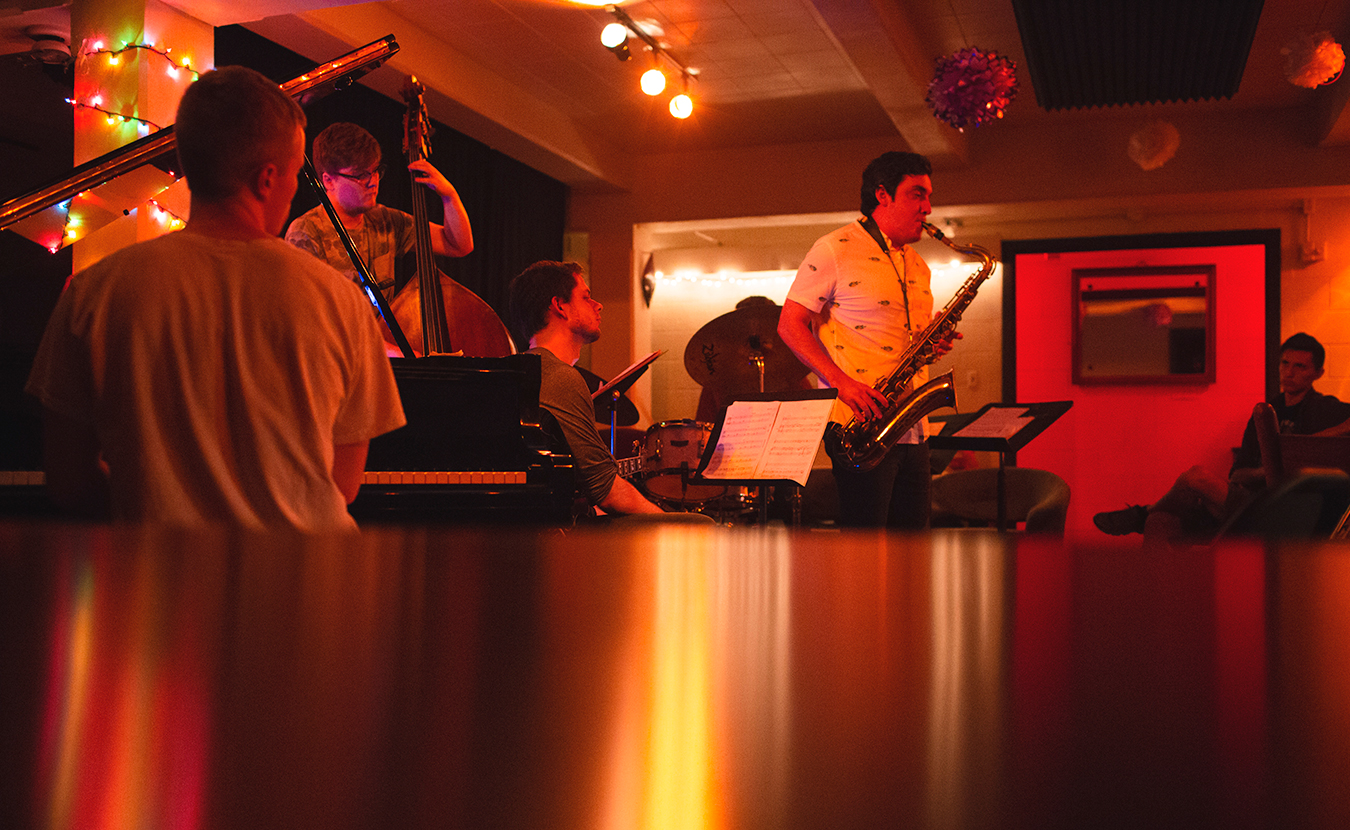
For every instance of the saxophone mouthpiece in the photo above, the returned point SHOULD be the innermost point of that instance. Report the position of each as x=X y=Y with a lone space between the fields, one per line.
x=933 y=232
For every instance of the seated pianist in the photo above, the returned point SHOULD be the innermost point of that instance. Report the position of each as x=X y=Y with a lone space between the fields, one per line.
x=178 y=386
x=551 y=308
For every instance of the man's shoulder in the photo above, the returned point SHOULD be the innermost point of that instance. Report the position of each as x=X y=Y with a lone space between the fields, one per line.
x=1329 y=403
x=847 y=234
x=313 y=220
x=550 y=364
x=557 y=375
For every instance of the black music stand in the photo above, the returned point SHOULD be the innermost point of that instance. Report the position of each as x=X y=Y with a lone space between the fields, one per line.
x=614 y=389
x=715 y=446
x=994 y=428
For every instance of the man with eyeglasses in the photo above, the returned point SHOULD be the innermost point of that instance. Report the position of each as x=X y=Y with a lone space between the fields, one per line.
x=348 y=161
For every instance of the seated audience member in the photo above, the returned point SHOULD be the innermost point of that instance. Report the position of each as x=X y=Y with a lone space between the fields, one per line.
x=217 y=375
x=1199 y=501
x=551 y=308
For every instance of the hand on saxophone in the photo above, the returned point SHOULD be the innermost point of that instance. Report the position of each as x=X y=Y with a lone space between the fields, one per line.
x=865 y=401
x=944 y=343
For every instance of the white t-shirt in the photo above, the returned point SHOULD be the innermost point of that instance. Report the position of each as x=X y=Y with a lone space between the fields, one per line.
x=847 y=277
x=218 y=376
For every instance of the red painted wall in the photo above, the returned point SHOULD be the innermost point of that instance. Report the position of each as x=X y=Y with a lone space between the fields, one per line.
x=1127 y=444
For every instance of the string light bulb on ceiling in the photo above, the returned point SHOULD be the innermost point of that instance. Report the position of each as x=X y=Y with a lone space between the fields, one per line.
x=614 y=37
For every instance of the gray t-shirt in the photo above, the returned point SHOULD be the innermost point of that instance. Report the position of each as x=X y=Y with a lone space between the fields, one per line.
x=563 y=392
x=385 y=235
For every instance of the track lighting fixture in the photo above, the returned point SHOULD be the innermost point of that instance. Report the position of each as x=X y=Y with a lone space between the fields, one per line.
x=615 y=37
x=653 y=81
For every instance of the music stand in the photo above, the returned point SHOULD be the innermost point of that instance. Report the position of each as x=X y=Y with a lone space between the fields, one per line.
x=999 y=427
x=794 y=445
x=615 y=388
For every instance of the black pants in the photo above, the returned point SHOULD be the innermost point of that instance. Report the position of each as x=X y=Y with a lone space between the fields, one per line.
x=894 y=494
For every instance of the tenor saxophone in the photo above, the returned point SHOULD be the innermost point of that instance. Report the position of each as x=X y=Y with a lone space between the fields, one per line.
x=863 y=443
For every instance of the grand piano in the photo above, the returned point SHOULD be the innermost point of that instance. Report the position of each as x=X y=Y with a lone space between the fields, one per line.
x=476 y=448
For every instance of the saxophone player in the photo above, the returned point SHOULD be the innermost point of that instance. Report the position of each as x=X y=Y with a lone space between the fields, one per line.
x=858 y=298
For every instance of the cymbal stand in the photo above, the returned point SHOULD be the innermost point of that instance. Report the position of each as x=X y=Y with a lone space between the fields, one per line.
x=614 y=396
x=757 y=358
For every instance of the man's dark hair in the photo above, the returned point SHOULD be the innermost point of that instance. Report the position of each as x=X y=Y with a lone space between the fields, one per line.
x=1306 y=343
x=532 y=292
x=230 y=123
x=344 y=145
x=888 y=170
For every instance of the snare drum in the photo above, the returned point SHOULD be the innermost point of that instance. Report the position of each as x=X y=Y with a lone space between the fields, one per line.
x=670 y=448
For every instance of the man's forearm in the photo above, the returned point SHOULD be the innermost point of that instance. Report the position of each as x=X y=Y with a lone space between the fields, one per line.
x=625 y=498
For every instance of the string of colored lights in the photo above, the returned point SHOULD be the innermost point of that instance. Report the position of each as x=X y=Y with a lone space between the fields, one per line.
x=115 y=57
x=143 y=124
x=177 y=68
x=167 y=217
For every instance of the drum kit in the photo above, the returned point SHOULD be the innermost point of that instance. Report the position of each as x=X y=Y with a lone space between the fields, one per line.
x=737 y=353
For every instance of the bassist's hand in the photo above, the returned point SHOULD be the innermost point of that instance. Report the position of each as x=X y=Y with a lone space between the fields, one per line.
x=428 y=175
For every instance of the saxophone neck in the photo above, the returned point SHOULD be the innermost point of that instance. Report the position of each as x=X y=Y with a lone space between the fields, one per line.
x=969 y=250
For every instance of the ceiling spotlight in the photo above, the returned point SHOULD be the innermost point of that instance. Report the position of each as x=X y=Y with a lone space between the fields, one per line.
x=613 y=34
x=615 y=39
x=653 y=81
x=681 y=106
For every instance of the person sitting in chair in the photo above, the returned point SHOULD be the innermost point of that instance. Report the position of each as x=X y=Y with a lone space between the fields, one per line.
x=551 y=308
x=1199 y=501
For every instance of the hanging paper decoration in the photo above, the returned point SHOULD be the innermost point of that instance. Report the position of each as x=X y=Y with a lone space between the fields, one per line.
x=1154 y=144
x=972 y=87
x=1313 y=60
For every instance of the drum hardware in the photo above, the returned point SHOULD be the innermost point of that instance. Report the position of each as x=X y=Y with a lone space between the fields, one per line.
x=672 y=450
x=741 y=351
x=608 y=398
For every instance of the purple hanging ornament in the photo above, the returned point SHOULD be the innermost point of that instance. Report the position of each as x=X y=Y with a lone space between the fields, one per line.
x=971 y=87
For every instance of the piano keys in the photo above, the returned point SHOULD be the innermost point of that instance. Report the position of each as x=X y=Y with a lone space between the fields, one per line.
x=475 y=450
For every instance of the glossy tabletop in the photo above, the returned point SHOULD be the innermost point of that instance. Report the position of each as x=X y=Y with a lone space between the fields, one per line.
x=667 y=677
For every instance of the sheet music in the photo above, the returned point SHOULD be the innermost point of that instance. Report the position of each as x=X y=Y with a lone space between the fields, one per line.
x=769 y=440
x=998 y=422
x=745 y=432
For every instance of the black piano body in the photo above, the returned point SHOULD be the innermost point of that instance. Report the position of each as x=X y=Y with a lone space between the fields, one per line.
x=476 y=449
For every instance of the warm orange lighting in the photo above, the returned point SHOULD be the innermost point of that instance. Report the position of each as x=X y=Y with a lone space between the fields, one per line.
x=613 y=34
x=681 y=106
x=653 y=82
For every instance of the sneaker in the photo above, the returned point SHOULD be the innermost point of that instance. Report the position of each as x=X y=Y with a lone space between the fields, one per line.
x=1122 y=522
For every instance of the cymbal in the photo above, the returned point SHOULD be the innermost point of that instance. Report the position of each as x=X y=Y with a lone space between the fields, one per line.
x=627 y=412
x=722 y=354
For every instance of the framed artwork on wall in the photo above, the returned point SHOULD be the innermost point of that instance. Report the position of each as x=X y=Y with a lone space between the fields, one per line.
x=1145 y=324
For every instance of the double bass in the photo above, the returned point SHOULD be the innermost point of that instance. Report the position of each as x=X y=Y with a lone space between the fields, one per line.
x=437 y=314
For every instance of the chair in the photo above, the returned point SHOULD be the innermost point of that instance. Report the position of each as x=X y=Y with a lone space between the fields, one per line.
x=1307 y=494
x=1037 y=498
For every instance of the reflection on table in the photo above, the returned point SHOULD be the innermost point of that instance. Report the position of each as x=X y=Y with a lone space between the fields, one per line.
x=667 y=677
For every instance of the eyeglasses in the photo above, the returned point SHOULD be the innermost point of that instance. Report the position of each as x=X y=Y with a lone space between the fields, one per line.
x=364 y=178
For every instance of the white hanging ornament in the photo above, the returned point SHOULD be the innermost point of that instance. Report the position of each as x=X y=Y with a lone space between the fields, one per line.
x=1154 y=144
x=1313 y=60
